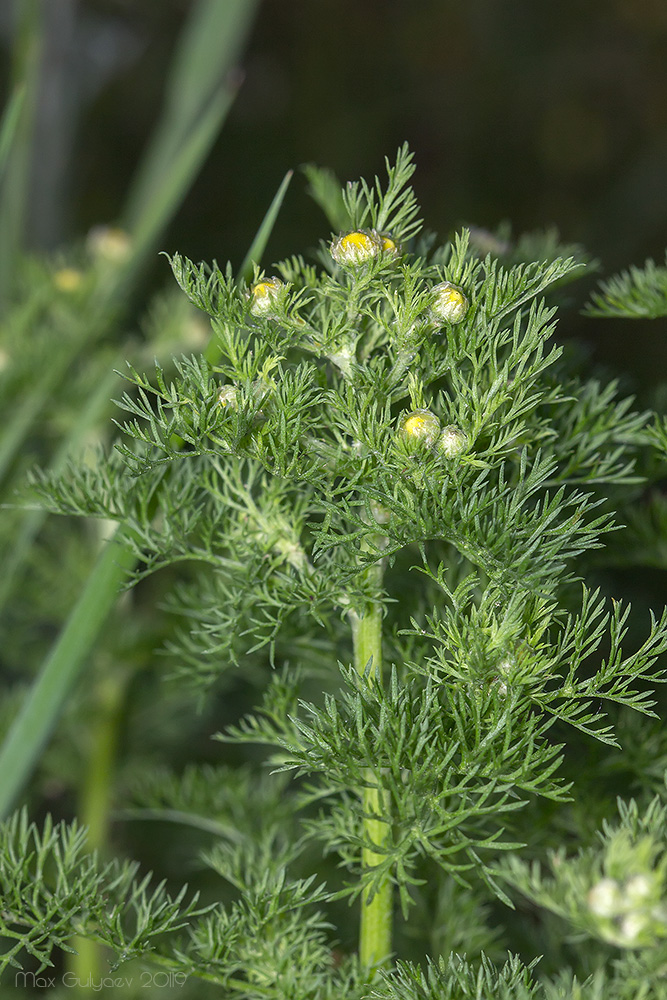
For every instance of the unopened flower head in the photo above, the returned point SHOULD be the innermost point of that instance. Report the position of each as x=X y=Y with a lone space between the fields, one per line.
x=449 y=304
x=452 y=441
x=389 y=245
x=421 y=426
x=356 y=248
x=228 y=397
x=604 y=899
x=632 y=927
x=109 y=244
x=380 y=514
x=639 y=888
x=261 y=389
x=67 y=279
x=264 y=296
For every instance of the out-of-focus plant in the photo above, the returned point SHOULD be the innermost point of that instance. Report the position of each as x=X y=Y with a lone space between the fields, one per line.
x=67 y=321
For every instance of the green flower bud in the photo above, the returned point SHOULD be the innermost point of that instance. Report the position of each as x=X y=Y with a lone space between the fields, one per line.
x=421 y=426
x=452 y=442
x=449 y=304
x=356 y=248
x=261 y=389
x=633 y=927
x=264 y=296
x=639 y=888
x=380 y=514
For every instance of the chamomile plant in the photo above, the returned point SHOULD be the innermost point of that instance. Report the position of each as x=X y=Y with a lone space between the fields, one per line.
x=383 y=482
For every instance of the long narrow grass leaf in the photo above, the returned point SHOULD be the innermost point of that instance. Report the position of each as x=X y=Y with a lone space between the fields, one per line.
x=9 y=124
x=34 y=519
x=200 y=91
x=258 y=245
x=44 y=702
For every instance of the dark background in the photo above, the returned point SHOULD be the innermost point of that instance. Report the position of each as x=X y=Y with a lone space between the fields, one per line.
x=542 y=114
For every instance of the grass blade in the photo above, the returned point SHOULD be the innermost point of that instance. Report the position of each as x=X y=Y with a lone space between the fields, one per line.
x=47 y=696
x=34 y=519
x=258 y=245
x=26 y=59
x=9 y=125
x=200 y=91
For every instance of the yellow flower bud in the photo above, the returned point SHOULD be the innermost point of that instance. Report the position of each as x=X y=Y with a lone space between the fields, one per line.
x=452 y=442
x=421 y=426
x=264 y=296
x=449 y=304
x=67 y=279
x=357 y=248
x=389 y=245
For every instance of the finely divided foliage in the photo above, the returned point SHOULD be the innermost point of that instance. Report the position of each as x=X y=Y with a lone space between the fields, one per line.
x=638 y=293
x=282 y=472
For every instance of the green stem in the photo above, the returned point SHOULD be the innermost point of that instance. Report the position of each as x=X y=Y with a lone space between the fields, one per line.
x=376 y=909
x=95 y=801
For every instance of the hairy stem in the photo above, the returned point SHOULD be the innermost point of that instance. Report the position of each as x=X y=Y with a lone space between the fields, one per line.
x=376 y=909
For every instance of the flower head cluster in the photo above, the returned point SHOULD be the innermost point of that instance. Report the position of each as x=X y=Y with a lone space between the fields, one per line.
x=228 y=396
x=631 y=909
x=422 y=428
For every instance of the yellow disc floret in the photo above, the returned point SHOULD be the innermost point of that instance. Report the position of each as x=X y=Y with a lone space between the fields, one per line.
x=420 y=426
x=356 y=248
x=449 y=304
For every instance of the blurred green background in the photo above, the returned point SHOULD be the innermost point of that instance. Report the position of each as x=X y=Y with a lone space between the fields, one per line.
x=542 y=114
